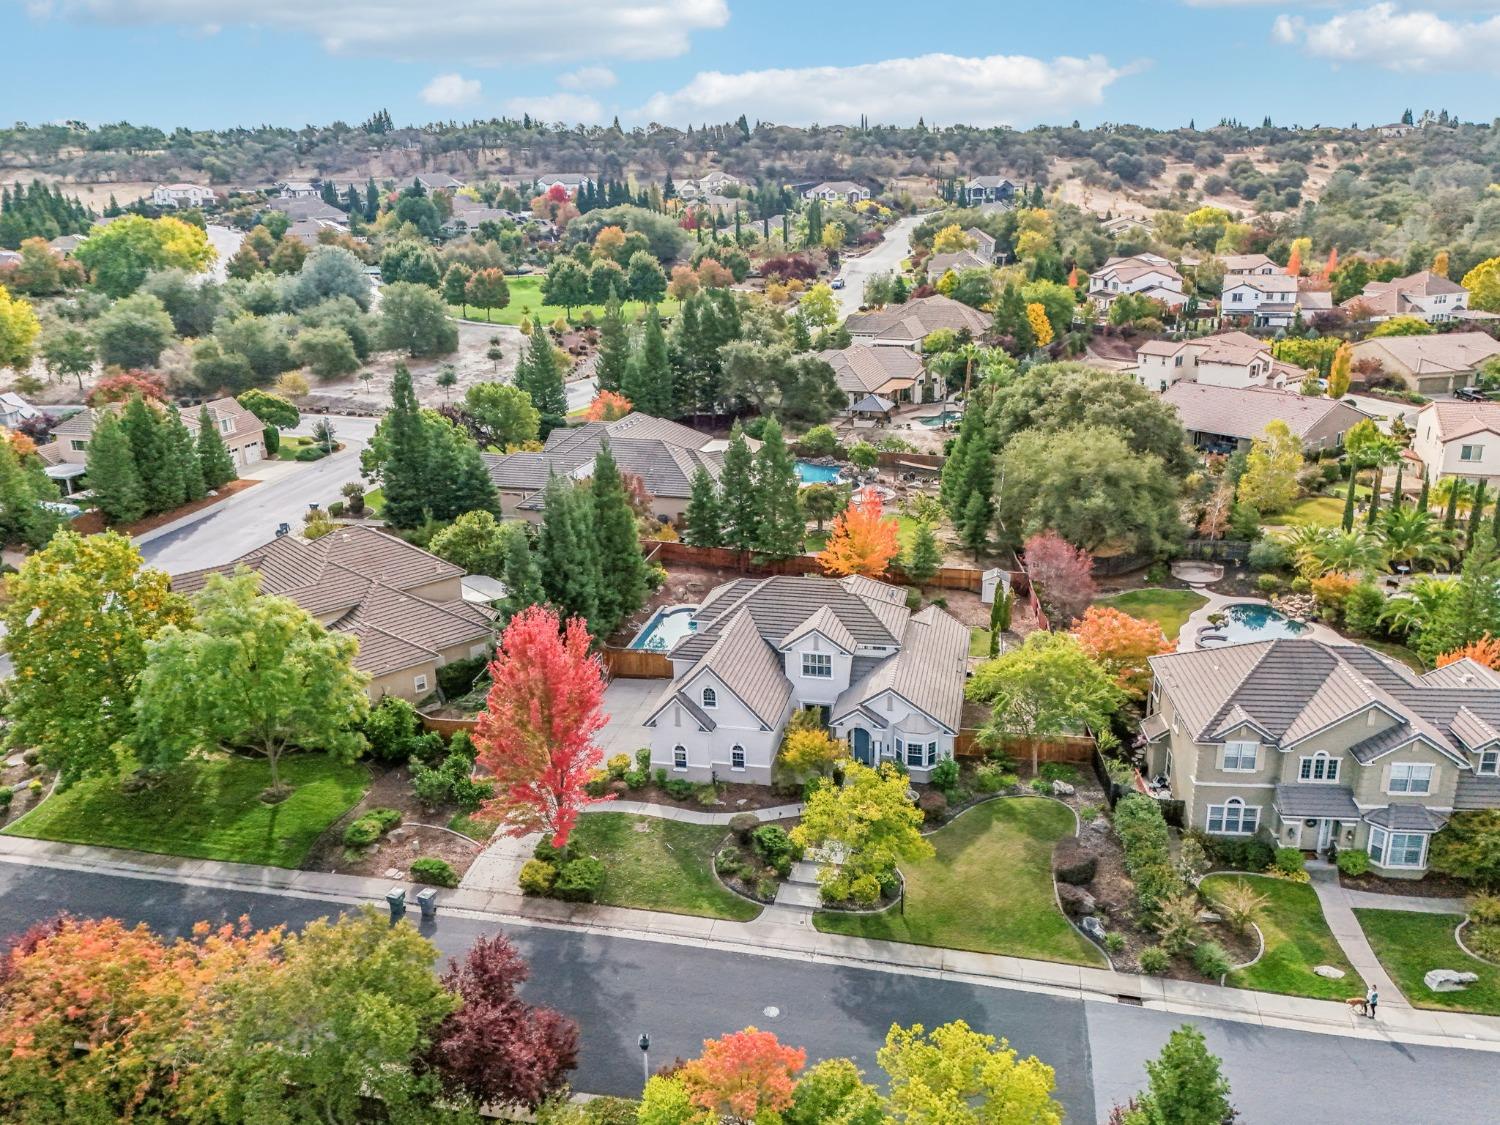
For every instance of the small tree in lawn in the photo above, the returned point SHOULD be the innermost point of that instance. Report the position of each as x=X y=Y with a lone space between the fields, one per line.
x=820 y=503
x=1121 y=644
x=957 y=1076
x=1048 y=687
x=256 y=672
x=487 y=290
x=863 y=540
x=871 y=817
x=1061 y=574
x=536 y=733
x=744 y=1076
x=1185 y=1085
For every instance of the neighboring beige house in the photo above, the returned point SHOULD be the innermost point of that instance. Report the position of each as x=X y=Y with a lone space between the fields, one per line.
x=710 y=183
x=438 y=181
x=757 y=650
x=1150 y=275
x=241 y=431
x=181 y=195
x=955 y=260
x=1248 y=264
x=1318 y=746
x=1229 y=359
x=1430 y=365
x=862 y=370
x=1264 y=300
x=404 y=606
x=1459 y=439
x=907 y=325
x=1425 y=295
x=304 y=208
x=1227 y=418
x=838 y=191
x=665 y=455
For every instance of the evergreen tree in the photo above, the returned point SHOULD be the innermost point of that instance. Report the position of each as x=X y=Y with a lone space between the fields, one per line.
x=540 y=376
x=1348 y=521
x=1450 y=516
x=522 y=579
x=780 y=526
x=568 y=561
x=814 y=215
x=404 y=474
x=1471 y=611
x=112 y=474
x=704 y=522
x=614 y=348
x=155 y=467
x=969 y=478
x=1185 y=1084
x=1374 y=496
x=456 y=283
x=801 y=337
x=648 y=375
x=740 y=506
x=214 y=461
x=622 y=567
x=1396 y=491
x=372 y=200
x=185 y=458
x=1476 y=515
x=925 y=556
x=457 y=481
x=1421 y=500
x=24 y=488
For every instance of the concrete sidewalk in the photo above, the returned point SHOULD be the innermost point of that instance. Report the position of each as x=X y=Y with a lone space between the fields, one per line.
x=772 y=936
x=1351 y=938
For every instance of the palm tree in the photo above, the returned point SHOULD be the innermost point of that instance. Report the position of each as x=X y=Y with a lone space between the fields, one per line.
x=1414 y=608
x=1302 y=543
x=1412 y=536
x=1348 y=552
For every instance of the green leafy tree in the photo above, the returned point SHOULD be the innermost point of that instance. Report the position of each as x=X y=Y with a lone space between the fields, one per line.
x=252 y=672
x=969 y=479
x=330 y=272
x=414 y=319
x=133 y=332
x=567 y=284
x=834 y=1092
x=475 y=541
x=567 y=556
x=821 y=502
x=870 y=817
x=540 y=375
x=954 y=1075
x=24 y=490
x=410 y=262
x=500 y=415
x=1269 y=483
x=779 y=525
x=68 y=350
x=327 y=352
x=645 y=278
x=1185 y=1085
x=119 y=256
x=522 y=579
x=1468 y=847
x=80 y=614
x=271 y=409
x=487 y=290
x=703 y=524
x=623 y=581
x=112 y=473
x=456 y=283
x=771 y=379
x=213 y=455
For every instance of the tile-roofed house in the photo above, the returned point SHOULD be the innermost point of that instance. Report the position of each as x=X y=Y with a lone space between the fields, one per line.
x=1215 y=415
x=439 y=181
x=1453 y=438
x=404 y=606
x=864 y=370
x=1249 y=263
x=572 y=182
x=181 y=195
x=955 y=260
x=1319 y=745
x=664 y=454
x=837 y=191
x=1265 y=300
x=1150 y=275
x=1429 y=365
x=1228 y=359
x=296 y=189
x=907 y=325
x=989 y=189
x=758 y=650
x=308 y=208
x=243 y=433
x=1425 y=295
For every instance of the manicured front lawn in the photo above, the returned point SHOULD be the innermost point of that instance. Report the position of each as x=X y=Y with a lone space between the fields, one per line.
x=1297 y=939
x=1411 y=945
x=375 y=501
x=1315 y=511
x=207 y=808
x=988 y=888
x=655 y=864
x=526 y=301
x=1168 y=608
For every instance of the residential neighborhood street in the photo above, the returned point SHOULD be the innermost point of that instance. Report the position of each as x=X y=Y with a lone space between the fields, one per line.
x=619 y=987
x=885 y=258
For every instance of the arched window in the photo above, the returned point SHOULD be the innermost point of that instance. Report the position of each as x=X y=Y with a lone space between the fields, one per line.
x=679 y=757
x=1233 y=818
x=737 y=758
x=1319 y=767
x=710 y=698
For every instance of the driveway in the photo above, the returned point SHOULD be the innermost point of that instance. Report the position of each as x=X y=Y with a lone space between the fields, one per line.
x=885 y=258
x=628 y=702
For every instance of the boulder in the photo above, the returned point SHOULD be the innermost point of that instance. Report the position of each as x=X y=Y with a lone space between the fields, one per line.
x=1328 y=971
x=1094 y=928
x=1075 y=900
x=1062 y=789
x=1448 y=980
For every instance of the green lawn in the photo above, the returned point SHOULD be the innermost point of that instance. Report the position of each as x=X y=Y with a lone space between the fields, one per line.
x=375 y=501
x=1411 y=944
x=474 y=827
x=1315 y=511
x=1297 y=939
x=1398 y=651
x=906 y=533
x=526 y=301
x=655 y=864
x=207 y=808
x=1168 y=608
x=979 y=643
x=988 y=888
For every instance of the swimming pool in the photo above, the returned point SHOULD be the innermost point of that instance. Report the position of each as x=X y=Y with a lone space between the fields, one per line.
x=665 y=629
x=1251 y=621
x=810 y=472
x=947 y=417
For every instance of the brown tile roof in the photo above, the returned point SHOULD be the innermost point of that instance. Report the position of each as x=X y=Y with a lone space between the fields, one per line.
x=1244 y=263
x=915 y=320
x=1245 y=412
x=1458 y=419
x=866 y=369
x=1438 y=353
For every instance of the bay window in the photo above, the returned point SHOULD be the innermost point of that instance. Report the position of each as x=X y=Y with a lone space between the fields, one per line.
x=1398 y=849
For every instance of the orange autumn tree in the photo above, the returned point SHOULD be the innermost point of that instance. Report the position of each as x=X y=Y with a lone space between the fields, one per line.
x=863 y=540
x=1294 y=261
x=1486 y=651
x=743 y=1075
x=1121 y=644
x=1333 y=261
x=607 y=407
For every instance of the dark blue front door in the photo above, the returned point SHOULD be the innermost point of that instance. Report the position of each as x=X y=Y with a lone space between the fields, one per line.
x=862 y=753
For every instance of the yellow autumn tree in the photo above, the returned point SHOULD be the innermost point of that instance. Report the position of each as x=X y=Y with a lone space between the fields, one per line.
x=1338 y=371
x=1041 y=327
x=1440 y=263
x=1483 y=284
x=863 y=540
x=950 y=240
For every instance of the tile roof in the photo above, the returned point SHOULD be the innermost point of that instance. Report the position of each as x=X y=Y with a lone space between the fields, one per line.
x=1458 y=419
x=1294 y=800
x=746 y=665
x=1441 y=352
x=915 y=320
x=928 y=672
x=1244 y=263
x=1244 y=412
x=1476 y=791
x=1407 y=818
x=866 y=369
x=955 y=260
x=825 y=621
x=1269 y=283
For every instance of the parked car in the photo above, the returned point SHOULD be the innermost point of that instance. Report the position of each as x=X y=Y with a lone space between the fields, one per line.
x=836 y=283
x=1471 y=394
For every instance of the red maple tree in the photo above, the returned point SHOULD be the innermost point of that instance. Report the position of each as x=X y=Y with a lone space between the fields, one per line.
x=863 y=540
x=743 y=1075
x=607 y=407
x=536 y=734
x=1486 y=651
x=1062 y=574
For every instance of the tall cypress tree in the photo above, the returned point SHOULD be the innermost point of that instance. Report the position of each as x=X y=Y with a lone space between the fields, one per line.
x=161 y=482
x=622 y=568
x=1450 y=517
x=523 y=582
x=740 y=506
x=781 y=527
x=1476 y=516
x=185 y=458
x=648 y=375
x=614 y=347
x=568 y=562
x=704 y=523
x=112 y=474
x=539 y=375
x=1422 y=500
x=1348 y=521
x=213 y=455
x=457 y=481
x=404 y=475
x=1396 y=491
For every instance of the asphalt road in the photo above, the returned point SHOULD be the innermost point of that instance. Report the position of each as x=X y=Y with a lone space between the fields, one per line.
x=885 y=258
x=619 y=987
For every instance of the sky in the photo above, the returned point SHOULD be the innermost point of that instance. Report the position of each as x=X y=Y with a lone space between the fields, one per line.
x=221 y=63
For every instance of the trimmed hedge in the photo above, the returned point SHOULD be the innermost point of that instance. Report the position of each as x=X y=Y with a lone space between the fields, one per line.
x=436 y=872
x=1148 y=860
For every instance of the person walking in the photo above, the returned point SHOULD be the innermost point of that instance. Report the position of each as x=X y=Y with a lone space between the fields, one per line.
x=1371 y=999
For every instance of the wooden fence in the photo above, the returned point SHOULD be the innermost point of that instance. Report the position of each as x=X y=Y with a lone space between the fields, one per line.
x=1076 y=749
x=636 y=664
x=447 y=727
x=723 y=558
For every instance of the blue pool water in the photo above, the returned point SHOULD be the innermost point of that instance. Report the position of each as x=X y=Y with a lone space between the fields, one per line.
x=947 y=417
x=664 y=630
x=1251 y=622
x=810 y=473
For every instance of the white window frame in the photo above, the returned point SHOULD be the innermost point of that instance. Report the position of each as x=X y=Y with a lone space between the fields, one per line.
x=817 y=666
x=709 y=698
x=1383 y=844
x=1464 y=453
x=1489 y=761
x=78 y=445
x=737 y=758
x=1309 y=769
x=226 y=425
x=1236 y=751
x=932 y=754
x=419 y=683
x=1246 y=818
x=1409 y=776
x=679 y=759
x=914 y=754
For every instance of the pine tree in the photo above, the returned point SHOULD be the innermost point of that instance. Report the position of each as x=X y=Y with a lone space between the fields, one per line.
x=161 y=486
x=801 y=337
x=112 y=474
x=457 y=480
x=523 y=582
x=1375 y=496
x=24 y=488
x=622 y=567
x=185 y=458
x=568 y=562
x=780 y=526
x=925 y=556
x=740 y=506
x=648 y=375
x=703 y=526
x=539 y=375
x=404 y=474
x=614 y=348
x=214 y=460
x=969 y=479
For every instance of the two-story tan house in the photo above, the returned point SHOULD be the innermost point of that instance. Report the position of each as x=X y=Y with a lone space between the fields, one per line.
x=1319 y=746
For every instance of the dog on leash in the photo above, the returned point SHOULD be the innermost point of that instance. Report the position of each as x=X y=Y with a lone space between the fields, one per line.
x=1359 y=1005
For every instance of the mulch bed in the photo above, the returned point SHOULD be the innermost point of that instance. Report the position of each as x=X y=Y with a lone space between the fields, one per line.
x=732 y=798
x=92 y=522
x=1429 y=886
x=18 y=779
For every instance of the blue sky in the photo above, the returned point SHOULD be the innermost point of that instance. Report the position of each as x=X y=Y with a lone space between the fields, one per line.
x=213 y=63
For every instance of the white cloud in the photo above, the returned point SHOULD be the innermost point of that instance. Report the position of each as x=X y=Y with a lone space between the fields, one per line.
x=450 y=89
x=1391 y=37
x=470 y=32
x=568 y=108
x=997 y=89
x=588 y=78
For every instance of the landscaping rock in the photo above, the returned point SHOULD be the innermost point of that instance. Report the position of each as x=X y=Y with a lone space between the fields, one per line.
x=1062 y=789
x=1075 y=900
x=1208 y=916
x=1328 y=971
x=1094 y=928
x=1448 y=980
x=1072 y=864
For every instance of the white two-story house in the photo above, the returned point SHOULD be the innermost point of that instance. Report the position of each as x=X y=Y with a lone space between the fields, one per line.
x=1148 y=274
x=1459 y=439
x=1424 y=295
x=1229 y=359
x=888 y=681
x=1318 y=746
x=1265 y=300
x=181 y=195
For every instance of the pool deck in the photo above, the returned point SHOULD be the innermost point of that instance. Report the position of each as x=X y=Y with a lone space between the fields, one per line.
x=655 y=621
x=1187 y=639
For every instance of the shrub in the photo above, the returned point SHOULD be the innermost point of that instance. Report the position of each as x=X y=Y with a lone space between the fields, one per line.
x=1177 y=922
x=537 y=877
x=361 y=834
x=597 y=784
x=1289 y=861
x=864 y=890
x=773 y=845
x=1267 y=583
x=1072 y=863
x=766 y=888
x=660 y=777
x=547 y=852
x=679 y=788
x=987 y=778
x=944 y=775
x=1155 y=883
x=1192 y=859
x=579 y=880
x=934 y=806
x=1354 y=861
x=390 y=728
x=6 y=795
x=635 y=779
x=310 y=453
x=451 y=782
x=820 y=441
x=743 y=825
x=1041 y=785
x=1114 y=942
x=1212 y=960
x=435 y=872
x=457 y=677
x=385 y=818
x=727 y=863
x=1240 y=855
x=1059 y=771
x=1269 y=554
x=617 y=765
x=1240 y=904
x=1484 y=910
x=1154 y=959
x=643 y=759
x=707 y=794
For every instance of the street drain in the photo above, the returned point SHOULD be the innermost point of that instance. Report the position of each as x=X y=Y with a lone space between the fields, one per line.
x=1135 y=1001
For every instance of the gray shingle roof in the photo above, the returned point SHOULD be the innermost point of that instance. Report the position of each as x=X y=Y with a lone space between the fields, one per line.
x=1477 y=791
x=1407 y=818
x=1293 y=800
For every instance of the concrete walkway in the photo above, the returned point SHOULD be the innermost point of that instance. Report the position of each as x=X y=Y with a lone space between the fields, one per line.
x=1339 y=912
x=1418 y=904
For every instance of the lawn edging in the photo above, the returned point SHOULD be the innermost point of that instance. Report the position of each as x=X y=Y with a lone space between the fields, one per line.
x=1458 y=932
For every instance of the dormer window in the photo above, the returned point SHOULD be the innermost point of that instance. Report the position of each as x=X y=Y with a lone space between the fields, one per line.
x=710 y=699
x=817 y=665
x=1489 y=762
